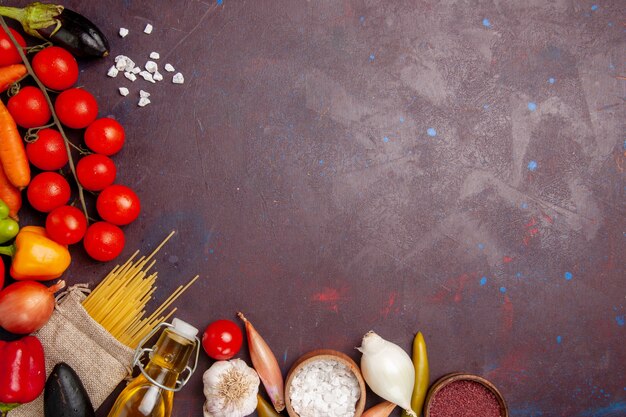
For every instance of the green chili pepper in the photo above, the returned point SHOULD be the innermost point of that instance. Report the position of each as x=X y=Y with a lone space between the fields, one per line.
x=264 y=409
x=422 y=375
x=8 y=227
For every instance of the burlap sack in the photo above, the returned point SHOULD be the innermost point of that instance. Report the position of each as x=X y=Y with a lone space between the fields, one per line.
x=73 y=337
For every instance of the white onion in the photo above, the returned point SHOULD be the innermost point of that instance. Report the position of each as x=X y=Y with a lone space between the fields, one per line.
x=388 y=370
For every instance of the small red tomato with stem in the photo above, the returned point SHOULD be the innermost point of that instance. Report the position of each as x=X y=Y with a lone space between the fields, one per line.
x=48 y=151
x=48 y=191
x=56 y=68
x=103 y=241
x=66 y=225
x=76 y=108
x=95 y=172
x=118 y=204
x=29 y=108
x=8 y=52
x=105 y=136
x=222 y=339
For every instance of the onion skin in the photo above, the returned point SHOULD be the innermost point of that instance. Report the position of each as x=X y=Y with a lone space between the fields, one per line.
x=380 y=410
x=26 y=306
x=266 y=365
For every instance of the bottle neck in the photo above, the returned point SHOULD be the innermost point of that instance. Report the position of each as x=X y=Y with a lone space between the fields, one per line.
x=169 y=358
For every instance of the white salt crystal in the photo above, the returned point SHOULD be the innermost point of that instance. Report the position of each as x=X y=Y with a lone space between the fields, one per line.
x=123 y=32
x=144 y=94
x=123 y=91
x=151 y=66
x=146 y=76
x=148 y=29
x=143 y=102
x=120 y=64
x=178 y=78
x=169 y=68
x=155 y=55
x=135 y=70
x=130 y=76
x=157 y=76
x=112 y=72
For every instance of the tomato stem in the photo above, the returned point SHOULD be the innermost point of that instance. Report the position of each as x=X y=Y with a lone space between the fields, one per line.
x=81 y=194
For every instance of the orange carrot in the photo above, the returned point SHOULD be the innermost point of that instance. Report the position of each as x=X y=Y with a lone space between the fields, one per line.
x=12 y=152
x=10 y=74
x=10 y=195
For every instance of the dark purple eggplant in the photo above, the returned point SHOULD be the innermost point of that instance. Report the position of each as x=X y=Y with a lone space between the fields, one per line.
x=65 y=395
x=60 y=26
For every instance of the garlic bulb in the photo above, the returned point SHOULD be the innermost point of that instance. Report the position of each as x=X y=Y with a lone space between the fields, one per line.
x=230 y=388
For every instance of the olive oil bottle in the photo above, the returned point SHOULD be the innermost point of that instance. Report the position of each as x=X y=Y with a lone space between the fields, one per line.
x=152 y=392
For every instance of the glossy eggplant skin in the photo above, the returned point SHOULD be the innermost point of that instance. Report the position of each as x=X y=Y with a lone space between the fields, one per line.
x=65 y=395
x=78 y=35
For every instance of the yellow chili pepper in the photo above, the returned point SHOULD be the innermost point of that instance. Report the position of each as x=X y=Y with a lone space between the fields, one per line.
x=35 y=256
x=422 y=374
x=264 y=409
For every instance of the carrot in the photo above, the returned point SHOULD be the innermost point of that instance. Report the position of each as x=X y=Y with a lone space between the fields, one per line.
x=10 y=195
x=12 y=152
x=10 y=74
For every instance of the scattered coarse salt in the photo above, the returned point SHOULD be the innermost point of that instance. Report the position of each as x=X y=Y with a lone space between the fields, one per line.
x=178 y=78
x=155 y=55
x=135 y=70
x=143 y=102
x=123 y=32
x=112 y=72
x=130 y=76
x=151 y=66
x=117 y=58
x=157 y=76
x=144 y=94
x=130 y=64
x=123 y=91
x=169 y=68
x=146 y=76
x=148 y=29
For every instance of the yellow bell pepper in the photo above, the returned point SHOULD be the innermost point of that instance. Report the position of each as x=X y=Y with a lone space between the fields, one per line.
x=35 y=256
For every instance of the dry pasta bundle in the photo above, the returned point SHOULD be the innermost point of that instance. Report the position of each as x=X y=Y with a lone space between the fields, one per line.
x=119 y=302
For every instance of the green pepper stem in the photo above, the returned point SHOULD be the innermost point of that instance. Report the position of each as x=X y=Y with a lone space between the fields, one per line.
x=13 y=13
x=5 y=408
x=9 y=251
x=57 y=122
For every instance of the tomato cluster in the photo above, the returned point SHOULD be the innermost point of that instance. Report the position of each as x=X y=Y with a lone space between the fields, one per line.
x=49 y=192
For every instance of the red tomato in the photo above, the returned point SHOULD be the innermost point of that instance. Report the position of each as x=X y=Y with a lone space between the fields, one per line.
x=105 y=136
x=76 y=108
x=95 y=172
x=48 y=152
x=8 y=52
x=29 y=108
x=48 y=191
x=66 y=225
x=56 y=68
x=104 y=241
x=118 y=204
x=222 y=339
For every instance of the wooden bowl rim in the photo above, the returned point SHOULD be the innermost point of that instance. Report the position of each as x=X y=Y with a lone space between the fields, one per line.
x=318 y=354
x=460 y=376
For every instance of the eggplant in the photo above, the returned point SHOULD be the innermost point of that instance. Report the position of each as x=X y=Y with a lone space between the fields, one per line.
x=60 y=26
x=65 y=395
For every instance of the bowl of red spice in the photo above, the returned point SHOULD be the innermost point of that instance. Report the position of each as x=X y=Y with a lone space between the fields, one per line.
x=464 y=395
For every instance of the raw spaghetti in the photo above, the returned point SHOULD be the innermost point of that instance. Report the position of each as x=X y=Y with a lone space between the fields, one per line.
x=118 y=303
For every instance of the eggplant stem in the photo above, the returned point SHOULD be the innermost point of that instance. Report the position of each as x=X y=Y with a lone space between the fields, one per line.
x=14 y=13
x=81 y=194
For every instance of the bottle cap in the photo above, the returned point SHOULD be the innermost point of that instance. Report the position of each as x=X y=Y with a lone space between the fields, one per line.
x=184 y=329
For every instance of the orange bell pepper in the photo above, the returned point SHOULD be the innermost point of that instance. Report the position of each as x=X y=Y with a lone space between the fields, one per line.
x=35 y=256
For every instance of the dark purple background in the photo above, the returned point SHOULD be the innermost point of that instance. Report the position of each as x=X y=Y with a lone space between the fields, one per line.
x=297 y=167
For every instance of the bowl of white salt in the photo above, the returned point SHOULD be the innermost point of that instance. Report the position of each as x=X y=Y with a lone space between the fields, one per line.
x=324 y=383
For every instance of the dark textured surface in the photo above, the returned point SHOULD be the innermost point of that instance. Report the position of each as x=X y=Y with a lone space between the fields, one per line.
x=297 y=165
